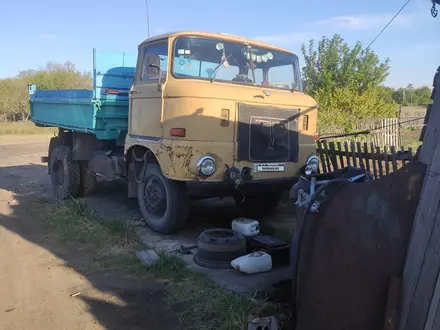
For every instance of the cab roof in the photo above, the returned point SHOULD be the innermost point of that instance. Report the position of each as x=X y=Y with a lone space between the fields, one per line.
x=227 y=36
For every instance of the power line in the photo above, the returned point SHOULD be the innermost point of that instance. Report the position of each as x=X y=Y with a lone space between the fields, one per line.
x=403 y=7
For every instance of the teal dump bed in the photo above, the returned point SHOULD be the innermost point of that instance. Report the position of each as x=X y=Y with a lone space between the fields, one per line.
x=102 y=111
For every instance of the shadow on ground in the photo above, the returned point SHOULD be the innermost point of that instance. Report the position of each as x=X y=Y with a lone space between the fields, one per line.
x=115 y=299
x=141 y=300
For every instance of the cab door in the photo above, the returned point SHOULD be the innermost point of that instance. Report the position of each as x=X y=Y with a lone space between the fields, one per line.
x=146 y=94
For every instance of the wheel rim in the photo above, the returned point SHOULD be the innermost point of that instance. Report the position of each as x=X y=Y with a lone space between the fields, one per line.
x=59 y=173
x=155 y=197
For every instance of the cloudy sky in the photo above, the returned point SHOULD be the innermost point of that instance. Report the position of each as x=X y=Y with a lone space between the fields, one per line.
x=35 y=32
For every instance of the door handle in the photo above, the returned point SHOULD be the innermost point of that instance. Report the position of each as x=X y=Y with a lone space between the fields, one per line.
x=134 y=91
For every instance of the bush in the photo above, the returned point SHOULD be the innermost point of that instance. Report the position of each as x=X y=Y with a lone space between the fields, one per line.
x=14 y=100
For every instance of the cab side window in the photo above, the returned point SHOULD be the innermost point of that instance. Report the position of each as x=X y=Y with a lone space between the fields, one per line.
x=161 y=50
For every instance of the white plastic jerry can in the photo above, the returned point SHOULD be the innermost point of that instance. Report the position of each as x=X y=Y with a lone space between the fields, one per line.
x=245 y=226
x=255 y=262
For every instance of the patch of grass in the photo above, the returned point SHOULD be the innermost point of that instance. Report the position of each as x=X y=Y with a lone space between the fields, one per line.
x=205 y=305
x=112 y=240
x=410 y=137
x=24 y=128
x=199 y=302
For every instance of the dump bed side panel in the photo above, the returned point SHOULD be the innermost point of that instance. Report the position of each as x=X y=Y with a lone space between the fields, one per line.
x=70 y=109
x=102 y=111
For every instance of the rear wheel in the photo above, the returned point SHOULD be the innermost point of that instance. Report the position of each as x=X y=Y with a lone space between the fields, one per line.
x=164 y=203
x=88 y=181
x=65 y=173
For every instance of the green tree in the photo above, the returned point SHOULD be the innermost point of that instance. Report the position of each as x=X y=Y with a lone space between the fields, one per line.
x=14 y=104
x=346 y=82
x=422 y=95
x=415 y=96
x=387 y=93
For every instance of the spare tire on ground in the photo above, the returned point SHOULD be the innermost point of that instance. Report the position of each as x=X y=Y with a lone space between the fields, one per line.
x=216 y=248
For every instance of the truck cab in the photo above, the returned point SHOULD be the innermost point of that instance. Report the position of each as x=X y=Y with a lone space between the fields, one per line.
x=209 y=115
x=222 y=114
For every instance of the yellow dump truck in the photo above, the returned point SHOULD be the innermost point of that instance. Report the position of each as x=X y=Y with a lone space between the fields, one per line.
x=195 y=115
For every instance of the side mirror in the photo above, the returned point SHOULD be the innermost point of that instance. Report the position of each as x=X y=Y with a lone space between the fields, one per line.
x=152 y=67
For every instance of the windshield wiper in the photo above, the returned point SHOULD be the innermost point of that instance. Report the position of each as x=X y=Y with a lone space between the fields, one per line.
x=214 y=72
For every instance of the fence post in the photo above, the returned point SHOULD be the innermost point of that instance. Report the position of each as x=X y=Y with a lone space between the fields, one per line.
x=321 y=156
x=374 y=161
x=333 y=157
x=327 y=158
x=341 y=157
x=347 y=154
x=367 y=157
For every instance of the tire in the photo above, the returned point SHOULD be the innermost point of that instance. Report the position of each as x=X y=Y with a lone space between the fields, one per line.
x=216 y=248
x=88 y=181
x=65 y=173
x=263 y=204
x=168 y=201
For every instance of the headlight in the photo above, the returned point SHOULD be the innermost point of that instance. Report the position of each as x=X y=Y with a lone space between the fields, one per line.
x=312 y=165
x=206 y=165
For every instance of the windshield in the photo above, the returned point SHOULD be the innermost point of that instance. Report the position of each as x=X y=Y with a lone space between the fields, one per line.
x=226 y=61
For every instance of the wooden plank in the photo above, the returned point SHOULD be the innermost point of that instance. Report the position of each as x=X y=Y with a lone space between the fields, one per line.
x=387 y=163
x=422 y=257
x=394 y=287
x=394 y=158
x=428 y=274
x=333 y=157
x=353 y=153
x=381 y=174
x=367 y=158
x=395 y=133
x=321 y=156
x=341 y=157
x=411 y=153
x=327 y=158
x=347 y=154
x=436 y=324
x=374 y=161
x=433 y=318
x=361 y=161
x=431 y=136
x=385 y=130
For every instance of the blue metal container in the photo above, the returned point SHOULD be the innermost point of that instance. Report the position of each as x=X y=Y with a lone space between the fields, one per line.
x=102 y=111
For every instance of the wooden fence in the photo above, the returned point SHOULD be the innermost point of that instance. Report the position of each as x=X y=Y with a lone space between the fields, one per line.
x=379 y=162
x=406 y=122
x=383 y=132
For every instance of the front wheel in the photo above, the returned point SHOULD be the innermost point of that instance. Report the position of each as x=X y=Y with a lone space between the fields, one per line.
x=164 y=203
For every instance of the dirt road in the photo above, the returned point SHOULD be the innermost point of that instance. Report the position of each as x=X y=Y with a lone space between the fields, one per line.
x=45 y=285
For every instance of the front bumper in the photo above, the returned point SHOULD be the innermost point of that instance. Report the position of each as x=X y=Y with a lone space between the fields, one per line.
x=227 y=188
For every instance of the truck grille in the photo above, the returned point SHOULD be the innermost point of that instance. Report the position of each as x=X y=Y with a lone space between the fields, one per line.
x=267 y=133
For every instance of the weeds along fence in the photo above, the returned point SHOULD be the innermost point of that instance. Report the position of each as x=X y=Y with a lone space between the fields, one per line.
x=367 y=156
